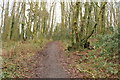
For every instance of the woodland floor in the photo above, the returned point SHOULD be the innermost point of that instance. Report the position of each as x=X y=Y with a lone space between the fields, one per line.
x=49 y=62
x=53 y=62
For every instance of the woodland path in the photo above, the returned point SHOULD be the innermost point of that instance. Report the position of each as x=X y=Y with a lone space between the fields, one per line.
x=50 y=66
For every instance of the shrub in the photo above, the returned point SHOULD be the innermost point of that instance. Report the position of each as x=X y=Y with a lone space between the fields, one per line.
x=103 y=61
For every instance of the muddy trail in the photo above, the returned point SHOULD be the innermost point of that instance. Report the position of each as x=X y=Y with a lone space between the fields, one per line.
x=49 y=66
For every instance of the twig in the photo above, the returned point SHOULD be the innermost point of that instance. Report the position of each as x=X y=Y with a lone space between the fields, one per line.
x=87 y=72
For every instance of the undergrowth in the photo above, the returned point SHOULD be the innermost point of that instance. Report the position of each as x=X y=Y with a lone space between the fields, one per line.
x=103 y=61
x=17 y=57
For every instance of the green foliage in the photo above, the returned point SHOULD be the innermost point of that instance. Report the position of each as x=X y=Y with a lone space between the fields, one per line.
x=103 y=61
x=108 y=42
x=59 y=35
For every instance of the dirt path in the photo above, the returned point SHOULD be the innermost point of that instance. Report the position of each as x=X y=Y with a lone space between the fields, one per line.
x=51 y=66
